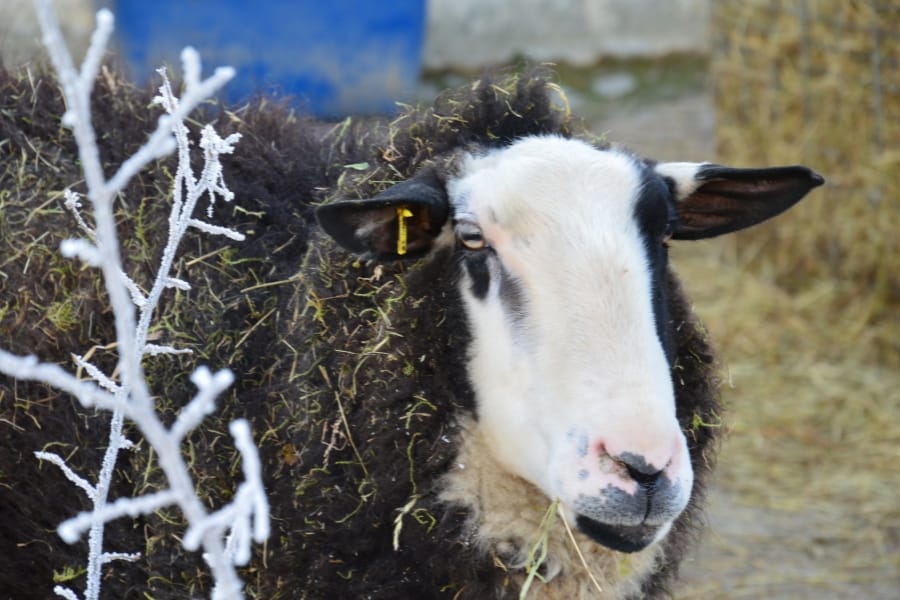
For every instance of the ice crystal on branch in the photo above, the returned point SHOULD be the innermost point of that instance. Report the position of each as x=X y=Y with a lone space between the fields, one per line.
x=224 y=535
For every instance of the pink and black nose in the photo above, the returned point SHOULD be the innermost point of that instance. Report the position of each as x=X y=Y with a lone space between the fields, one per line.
x=625 y=500
x=646 y=475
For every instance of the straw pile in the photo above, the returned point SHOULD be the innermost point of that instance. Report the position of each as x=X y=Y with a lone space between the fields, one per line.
x=807 y=308
x=819 y=81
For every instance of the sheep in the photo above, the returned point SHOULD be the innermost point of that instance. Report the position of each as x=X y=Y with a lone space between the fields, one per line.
x=444 y=327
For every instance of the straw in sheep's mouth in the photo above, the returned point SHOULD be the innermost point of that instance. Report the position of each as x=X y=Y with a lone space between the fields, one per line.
x=622 y=538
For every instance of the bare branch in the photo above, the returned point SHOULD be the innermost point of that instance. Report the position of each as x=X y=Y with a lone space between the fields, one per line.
x=209 y=387
x=65 y=593
x=27 y=368
x=82 y=249
x=105 y=382
x=130 y=396
x=72 y=529
x=216 y=230
x=57 y=460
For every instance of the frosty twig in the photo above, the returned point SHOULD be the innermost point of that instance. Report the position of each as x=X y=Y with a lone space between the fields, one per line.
x=225 y=534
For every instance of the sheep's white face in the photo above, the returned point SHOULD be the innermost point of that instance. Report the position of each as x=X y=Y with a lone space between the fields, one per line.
x=563 y=266
x=562 y=251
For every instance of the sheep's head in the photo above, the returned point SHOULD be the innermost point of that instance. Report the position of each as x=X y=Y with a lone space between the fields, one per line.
x=562 y=254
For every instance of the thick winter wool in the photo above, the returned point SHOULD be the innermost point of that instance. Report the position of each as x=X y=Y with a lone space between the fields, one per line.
x=351 y=372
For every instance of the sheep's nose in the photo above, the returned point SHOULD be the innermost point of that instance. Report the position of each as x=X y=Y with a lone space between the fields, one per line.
x=648 y=481
x=645 y=474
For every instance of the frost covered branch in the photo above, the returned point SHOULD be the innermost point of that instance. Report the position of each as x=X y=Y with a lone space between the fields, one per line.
x=225 y=535
x=81 y=482
x=27 y=368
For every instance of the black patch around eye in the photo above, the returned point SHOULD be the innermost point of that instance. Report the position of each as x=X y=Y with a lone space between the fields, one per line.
x=479 y=273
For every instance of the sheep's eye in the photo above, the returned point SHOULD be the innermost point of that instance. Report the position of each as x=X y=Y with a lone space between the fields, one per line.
x=470 y=236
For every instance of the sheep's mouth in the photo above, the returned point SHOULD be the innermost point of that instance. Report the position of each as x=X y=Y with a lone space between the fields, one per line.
x=622 y=538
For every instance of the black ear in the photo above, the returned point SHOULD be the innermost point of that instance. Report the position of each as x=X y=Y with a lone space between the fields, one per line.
x=400 y=222
x=712 y=199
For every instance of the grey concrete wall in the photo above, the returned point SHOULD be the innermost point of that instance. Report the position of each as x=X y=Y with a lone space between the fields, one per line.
x=20 y=37
x=468 y=33
x=474 y=33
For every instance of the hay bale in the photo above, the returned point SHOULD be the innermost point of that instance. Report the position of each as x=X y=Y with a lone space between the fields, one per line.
x=818 y=82
x=805 y=308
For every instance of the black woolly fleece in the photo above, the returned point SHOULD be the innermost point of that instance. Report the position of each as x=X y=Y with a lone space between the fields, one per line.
x=352 y=375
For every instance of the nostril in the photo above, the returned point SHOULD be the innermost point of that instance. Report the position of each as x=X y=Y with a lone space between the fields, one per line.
x=644 y=473
x=645 y=480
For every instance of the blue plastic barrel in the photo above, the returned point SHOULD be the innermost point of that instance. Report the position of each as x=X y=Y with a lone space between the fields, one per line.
x=335 y=57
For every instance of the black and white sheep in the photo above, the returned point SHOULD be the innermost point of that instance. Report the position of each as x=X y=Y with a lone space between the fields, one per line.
x=496 y=327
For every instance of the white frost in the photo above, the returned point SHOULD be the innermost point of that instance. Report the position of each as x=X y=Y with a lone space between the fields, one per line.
x=226 y=533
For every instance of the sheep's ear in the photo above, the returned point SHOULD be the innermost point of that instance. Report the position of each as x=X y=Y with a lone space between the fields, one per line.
x=712 y=199
x=400 y=222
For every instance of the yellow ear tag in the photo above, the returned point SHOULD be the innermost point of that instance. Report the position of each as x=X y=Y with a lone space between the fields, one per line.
x=403 y=213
